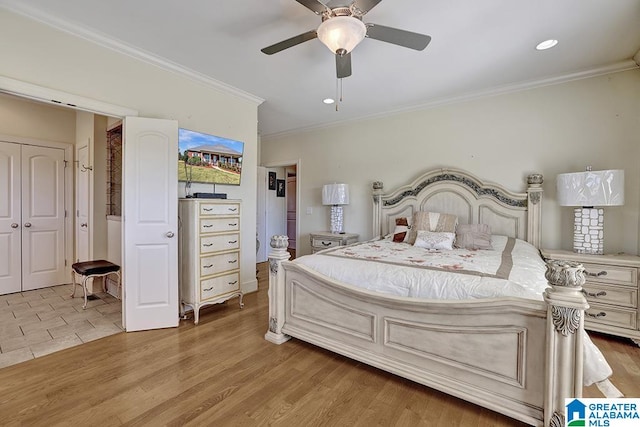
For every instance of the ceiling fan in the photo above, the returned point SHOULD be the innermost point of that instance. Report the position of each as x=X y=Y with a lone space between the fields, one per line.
x=342 y=29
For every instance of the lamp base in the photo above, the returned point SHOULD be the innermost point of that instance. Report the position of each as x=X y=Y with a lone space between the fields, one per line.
x=588 y=231
x=337 y=224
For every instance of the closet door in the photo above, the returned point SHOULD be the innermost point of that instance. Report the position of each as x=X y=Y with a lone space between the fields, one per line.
x=43 y=255
x=10 y=221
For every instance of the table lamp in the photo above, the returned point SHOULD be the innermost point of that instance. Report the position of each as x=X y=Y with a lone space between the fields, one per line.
x=336 y=195
x=589 y=191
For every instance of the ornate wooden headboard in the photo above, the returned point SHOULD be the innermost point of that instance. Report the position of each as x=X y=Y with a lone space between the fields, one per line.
x=460 y=193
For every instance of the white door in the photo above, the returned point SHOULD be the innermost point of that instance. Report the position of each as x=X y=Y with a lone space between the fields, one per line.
x=10 y=221
x=83 y=249
x=43 y=213
x=150 y=223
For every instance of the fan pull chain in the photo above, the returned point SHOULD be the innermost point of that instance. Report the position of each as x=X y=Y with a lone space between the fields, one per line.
x=338 y=92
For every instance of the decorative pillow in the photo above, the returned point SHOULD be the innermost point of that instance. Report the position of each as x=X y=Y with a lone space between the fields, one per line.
x=401 y=232
x=473 y=236
x=432 y=221
x=434 y=240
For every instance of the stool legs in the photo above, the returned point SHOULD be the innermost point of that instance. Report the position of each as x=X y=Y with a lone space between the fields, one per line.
x=91 y=276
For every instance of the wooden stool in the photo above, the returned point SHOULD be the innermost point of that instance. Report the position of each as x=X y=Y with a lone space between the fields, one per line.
x=91 y=269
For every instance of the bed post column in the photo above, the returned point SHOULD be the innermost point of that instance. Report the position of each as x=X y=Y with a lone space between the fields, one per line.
x=278 y=254
x=534 y=208
x=377 y=208
x=565 y=334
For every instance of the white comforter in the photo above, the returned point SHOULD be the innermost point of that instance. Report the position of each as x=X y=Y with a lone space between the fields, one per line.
x=404 y=270
x=513 y=268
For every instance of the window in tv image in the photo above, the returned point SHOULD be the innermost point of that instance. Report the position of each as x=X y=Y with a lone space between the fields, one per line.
x=208 y=158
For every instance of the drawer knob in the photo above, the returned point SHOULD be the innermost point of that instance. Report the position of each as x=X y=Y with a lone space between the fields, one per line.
x=326 y=243
x=597 y=316
x=233 y=209
x=207 y=244
x=233 y=283
x=208 y=289
x=207 y=209
x=233 y=241
x=208 y=266
x=232 y=261
x=208 y=225
x=233 y=225
x=593 y=294
x=601 y=273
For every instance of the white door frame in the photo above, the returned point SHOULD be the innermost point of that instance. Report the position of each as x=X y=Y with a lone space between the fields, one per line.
x=68 y=188
x=298 y=164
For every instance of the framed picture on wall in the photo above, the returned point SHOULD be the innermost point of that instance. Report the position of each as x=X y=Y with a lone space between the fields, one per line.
x=280 y=188
x=272 y=180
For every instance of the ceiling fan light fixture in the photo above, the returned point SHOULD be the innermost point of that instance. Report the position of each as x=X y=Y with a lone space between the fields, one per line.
x=342 y=33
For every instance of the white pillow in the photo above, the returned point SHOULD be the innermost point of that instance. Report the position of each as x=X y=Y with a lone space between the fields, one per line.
x=434 y=240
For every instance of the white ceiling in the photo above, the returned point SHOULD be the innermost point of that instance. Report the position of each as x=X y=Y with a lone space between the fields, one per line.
x=477 y=47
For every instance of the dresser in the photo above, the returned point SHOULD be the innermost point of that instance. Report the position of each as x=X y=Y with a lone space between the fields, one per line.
x=325 y=239
x=209 y=253
x=611 y=288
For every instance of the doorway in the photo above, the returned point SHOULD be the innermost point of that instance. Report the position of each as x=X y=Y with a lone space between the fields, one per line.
x=278 y=212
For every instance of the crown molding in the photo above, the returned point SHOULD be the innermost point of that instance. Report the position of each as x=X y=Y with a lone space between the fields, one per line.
x=486 y=93
x=119 y=46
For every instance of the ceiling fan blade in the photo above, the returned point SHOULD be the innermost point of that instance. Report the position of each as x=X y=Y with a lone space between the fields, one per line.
x=314 y=5
x=365 y=6
x=343 y=65
x=286 y=44
x=400 y=37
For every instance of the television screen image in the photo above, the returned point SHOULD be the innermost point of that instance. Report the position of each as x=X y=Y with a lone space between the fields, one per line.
x=208 y=158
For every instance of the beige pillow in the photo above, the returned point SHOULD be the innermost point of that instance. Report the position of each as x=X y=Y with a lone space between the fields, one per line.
x=432 y=221
x=473 y=236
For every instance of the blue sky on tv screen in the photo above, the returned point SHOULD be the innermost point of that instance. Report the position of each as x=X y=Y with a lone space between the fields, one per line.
x=189 y=139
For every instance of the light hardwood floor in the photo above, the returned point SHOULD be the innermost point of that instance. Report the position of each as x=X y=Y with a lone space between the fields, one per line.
x=223 y=373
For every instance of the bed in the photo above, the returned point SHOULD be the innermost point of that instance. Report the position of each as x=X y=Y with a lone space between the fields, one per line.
x=516 y=355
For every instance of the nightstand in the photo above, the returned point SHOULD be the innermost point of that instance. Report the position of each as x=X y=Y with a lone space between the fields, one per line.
x=611 y=289
x=324 y=239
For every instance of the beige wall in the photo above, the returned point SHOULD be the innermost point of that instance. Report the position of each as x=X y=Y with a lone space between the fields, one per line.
x=29 y=119
x=550 y=130
x=43 y=56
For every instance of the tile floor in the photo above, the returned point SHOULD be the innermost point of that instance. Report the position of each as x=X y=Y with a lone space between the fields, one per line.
x=39 y=322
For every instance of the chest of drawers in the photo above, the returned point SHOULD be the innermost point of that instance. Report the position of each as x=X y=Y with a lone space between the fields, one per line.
x=209 y=253
x=611 y=289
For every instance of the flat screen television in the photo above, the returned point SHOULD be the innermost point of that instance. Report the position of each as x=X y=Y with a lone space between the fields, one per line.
x=208 y=158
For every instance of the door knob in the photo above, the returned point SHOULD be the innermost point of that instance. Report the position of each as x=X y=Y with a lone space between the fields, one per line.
x=27 y=224
x=14 y=225
x=169 y=234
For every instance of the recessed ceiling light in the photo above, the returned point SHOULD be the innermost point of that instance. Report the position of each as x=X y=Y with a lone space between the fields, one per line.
x=328 y=101
x=547 y=44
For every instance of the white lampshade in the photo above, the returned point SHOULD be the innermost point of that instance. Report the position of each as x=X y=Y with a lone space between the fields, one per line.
x=335 y=194
x=591 y=188
x=341 y=32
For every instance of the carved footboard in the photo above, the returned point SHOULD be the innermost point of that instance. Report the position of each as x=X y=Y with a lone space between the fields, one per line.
x=515 y=356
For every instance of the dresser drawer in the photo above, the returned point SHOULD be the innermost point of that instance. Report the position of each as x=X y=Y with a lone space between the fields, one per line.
x=213 y=225
x=221 y=242
x=207 y=209
x=603 y=294
x=220 y=263
x=324 y=243
x=605 y=315
x=610 y=274
x=220 y=285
